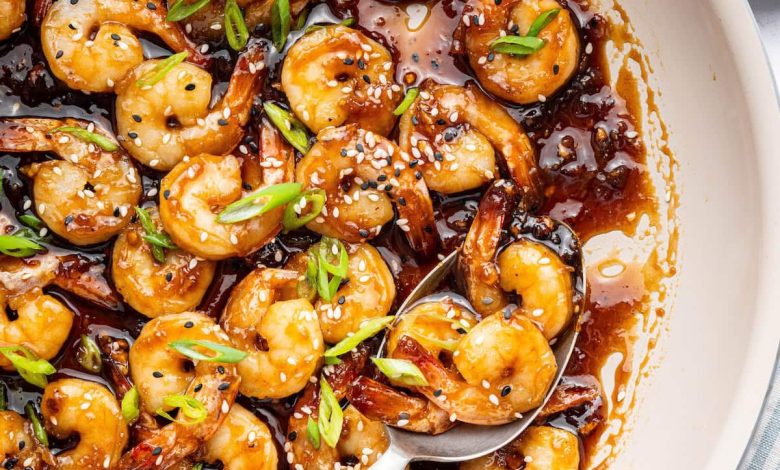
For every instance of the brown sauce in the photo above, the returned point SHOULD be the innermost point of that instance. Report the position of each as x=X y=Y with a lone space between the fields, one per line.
x=596 y=187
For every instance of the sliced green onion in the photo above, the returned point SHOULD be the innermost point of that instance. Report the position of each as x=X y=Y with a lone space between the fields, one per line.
x=235 y=27
x=190 y=407
x=292 y=129
x=224 y=354
x=156 y=239
x=32 y=369
x=348 y=22
x=449 y=345
x=161 y=69
x=131 y=405
x=101 y=141
x=542 y=21
x=326 y=288
x=88 y=355
x=327 y=247
x=31 y=221
x=313 y=201
x=307 y=287
x=400 y=370
x=280 y=23
x=18 y=246
x=198 y=466
x=3 y=398
x=517 y=45
x=259 y=202
x=331 y=417
x=300 y=21
x=368 y=329
x=411 y=95
x=313 y=433
x=332 y=361
x=181 y=9
x=38 y=430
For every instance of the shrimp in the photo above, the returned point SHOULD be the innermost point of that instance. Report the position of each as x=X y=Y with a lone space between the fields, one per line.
x=159 y=371
x=455 y=131
x=162 y=123
x=194 y=192
x=532 y=270
x=88 y=409
x=336 y=75
x=283 y=338
x=504 y=368
x=242 y=442
x=11 y=17
x=18 y=446
x=85 y=197
x=521 y=79
x=363 y=174
x=92 y=44
x=369 y=293
x=152 y=288
x=538 y=448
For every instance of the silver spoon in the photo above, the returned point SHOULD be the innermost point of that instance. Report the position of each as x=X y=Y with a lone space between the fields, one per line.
x=468 y=441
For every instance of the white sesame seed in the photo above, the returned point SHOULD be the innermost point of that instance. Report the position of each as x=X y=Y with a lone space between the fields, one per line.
x=203 y=236
x=493 y=399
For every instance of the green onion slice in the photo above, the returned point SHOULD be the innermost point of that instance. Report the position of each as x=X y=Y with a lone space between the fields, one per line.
x=190 y=407
x=348 y=22
x=32 y=369
x=3 y=398
x=411 y=95
x=235 y=27
x=332 y=361
x=331 y=417
x=101 y=141
x=292 y=129
x=517 y=45
x=307 y=208
x=181 y=9
x=449 y=345
x=542 y=21
x=326 y=288
x=88 y=355
x=131 y=405
x=38 y=430
x=161 y=69
x=224 y=354
x=280 y=23
x=19 y=246
x=259 y=202
x=367 y=329
x=332 y=248
x=400 y=371
x=155 y=238
x=300 y=21
x=313 y=433
x=31 y=221
x=198 y=466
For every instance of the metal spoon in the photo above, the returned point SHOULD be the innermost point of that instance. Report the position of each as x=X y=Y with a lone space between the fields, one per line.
x=468 y=441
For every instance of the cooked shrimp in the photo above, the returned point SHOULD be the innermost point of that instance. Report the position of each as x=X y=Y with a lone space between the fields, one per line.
x=11 y=17
x=538 y=448
x=455 y=132
x=336 y=75
x=283 y=338
x=18 y=444
x=242 y=442
x=89 y=410
x=162 y=123
x=363 y=174
x=521 y=79
x=154 y=288
x=369 y=293
x=85 y=197
x=504 y=368
x=92 y=44
x=159 y=371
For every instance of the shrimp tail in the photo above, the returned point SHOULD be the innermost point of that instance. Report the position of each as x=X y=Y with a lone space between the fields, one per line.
x=246 y=81
x=173 y=34
x=27 y=134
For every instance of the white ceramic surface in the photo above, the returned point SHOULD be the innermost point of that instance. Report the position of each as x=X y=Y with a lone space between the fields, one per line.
x=700 y=405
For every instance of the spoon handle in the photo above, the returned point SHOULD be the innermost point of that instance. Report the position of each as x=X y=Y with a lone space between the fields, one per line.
x=393 y=459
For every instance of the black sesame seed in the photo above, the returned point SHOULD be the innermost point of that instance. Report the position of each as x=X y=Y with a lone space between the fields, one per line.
x=190 y=87
x=188 y=324
x=115 y=37
x=507 y=314
x=157 y=374
x=292 y=436
x=342 y=299
x=441 y=122
x=418 y=175
x=437 y=392
x=403 y=415
x=197 y=388
x=220 y=369
x=116 y=212
x=22 y=444
x=475 y=19
x=506 y=390
x=435 y=64
x=349 y=61
x=556 y=69
x=364 y=186
x=157 y=451
x=449 y=134
x=414 y=163
x=168 y=277
x=498 y=2
x=361 y=64
x=167 y=193
x=514 y=29
x=416 y=57
x=438 y=156
x=59 y=54
x=491 y=56
x=363 y=232
x=132 y=135
x=397 y=172
x=11 y=462
x=136 y=118
x=388 y=187
x=373 y=184
x=151 y=6
x=381 y=178
x=222 y=122
x=70 y=25
x=73 y=2
x=69 y=219
x=343 y=152
x=223 y=386
x=428 y=229
x=360 y=147
x=461 y=331
x=366 y=78
x=415 y=121
x=402 y=201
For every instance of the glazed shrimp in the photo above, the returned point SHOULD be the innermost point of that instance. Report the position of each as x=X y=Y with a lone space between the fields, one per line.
x=283 y=338
x=19 y=445
x=92 y=44
x=538 y=448
x=504 y=367
x=521 y=79
x=242 y=442
x=11 y=17
x=154 y=288
x=336 y=75
x=455 y=133
x=88 y=409
x=86 y=196
x=363 y=174
x=159 y=371
x=369 y=293
x=162 y=123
